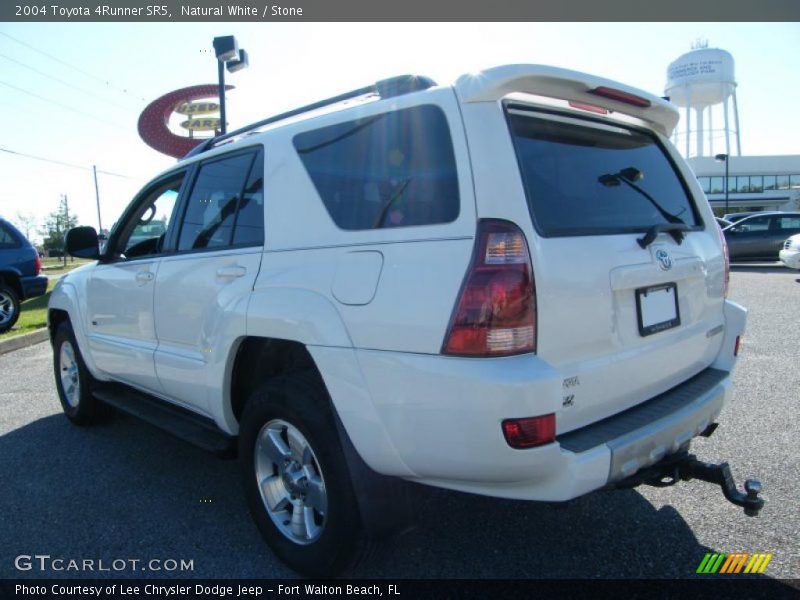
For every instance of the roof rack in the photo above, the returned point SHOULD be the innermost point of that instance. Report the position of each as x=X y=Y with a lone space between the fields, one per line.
x=385 y=88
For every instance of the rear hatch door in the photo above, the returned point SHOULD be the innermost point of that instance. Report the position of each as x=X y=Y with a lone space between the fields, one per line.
x=627 y=275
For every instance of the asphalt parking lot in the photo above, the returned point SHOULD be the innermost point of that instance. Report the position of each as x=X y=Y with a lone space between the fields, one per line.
x=127 y=491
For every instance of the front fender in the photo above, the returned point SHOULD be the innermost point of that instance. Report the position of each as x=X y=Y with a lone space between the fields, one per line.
x=65 y=297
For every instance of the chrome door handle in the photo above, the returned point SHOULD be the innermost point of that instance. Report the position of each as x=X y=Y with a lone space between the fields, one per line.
x=231 y=272
x=144 y=276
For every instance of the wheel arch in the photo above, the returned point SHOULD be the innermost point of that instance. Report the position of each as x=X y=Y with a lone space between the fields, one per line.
x=63 y=305
x=12 y=279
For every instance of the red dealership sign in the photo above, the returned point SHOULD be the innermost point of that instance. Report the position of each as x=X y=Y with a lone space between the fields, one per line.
x=154 y=120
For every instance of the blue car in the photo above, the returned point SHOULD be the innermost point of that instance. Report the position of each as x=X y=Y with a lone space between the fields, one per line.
x=20 y=268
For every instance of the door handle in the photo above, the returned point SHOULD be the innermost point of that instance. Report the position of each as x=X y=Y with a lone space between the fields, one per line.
x=231 y=272
x=144 y=276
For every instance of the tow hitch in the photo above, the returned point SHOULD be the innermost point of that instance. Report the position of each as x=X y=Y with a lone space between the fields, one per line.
x=684 y=466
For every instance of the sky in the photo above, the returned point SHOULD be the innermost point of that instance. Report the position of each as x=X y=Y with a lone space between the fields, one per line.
x=72 y=92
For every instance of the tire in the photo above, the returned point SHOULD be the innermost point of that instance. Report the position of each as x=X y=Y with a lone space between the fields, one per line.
x=296 y=479
x=9 y=307
x=74 y=382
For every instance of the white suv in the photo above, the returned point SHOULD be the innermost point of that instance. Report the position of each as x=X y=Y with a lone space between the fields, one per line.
x=510 y=286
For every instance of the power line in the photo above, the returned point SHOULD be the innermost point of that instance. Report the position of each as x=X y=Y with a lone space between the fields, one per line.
x=78 y=69
x=45 y=99
x=61 y=81
x=63 y=164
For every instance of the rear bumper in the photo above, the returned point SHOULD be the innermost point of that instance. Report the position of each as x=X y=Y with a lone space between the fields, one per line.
x=643 y=435
x=33 y=286
x=437 y=420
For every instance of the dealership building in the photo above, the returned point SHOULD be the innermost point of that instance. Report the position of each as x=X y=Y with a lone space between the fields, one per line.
x=754 y=182
x=702 y=84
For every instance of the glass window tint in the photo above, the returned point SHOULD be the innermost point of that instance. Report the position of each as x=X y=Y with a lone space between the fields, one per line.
x=152 y=220
x=754 y=224
x=792 y=222
x=783 y=182
x=7 y=239
x=794 y=181
x=705 y=183
x=211 y=210
x=586 y=178
x=756 y=183
x=249 y=230
x=769 y=182
x=742 y=184
x=717 y=185
x=391 y=170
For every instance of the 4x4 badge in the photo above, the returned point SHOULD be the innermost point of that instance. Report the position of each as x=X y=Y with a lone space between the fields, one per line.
x=664 y=259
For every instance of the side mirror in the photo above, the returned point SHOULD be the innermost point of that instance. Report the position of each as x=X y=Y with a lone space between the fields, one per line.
x=82 y=242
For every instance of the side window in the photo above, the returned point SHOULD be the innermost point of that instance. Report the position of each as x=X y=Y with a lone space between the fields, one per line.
x=789 y=222
x=211 y=210
x=754 y=224
x=396 y=169
x=7 y=239
x=151 y=220
x=249 y=230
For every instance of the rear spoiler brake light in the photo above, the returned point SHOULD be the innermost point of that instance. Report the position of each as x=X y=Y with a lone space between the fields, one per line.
x=621 y=96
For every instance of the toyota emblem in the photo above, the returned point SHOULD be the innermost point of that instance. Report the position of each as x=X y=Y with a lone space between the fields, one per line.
x=664 y=260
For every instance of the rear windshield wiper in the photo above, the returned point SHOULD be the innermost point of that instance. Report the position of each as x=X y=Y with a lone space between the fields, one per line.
x=675 y=226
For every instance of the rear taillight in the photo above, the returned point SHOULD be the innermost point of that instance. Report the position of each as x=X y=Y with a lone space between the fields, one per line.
x=620 y=96
x=37 y=264
x=727 y=261
x=496 y=312
x=530 y=432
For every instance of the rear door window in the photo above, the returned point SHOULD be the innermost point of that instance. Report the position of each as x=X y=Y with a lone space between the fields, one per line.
x=588 y=178
x=789 y=223
x=211 y=210
x=395 y=169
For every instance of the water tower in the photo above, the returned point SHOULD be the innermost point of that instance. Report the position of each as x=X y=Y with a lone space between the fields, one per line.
x=702 y=82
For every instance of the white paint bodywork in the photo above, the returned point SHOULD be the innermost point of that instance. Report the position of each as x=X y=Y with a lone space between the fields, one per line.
x=373 y=307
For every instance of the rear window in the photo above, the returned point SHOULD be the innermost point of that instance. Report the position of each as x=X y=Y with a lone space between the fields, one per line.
x=588 y=178
x=7 y=239
x=395 y=169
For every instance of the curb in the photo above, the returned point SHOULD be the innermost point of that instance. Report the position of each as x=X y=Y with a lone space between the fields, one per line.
x=23 y=341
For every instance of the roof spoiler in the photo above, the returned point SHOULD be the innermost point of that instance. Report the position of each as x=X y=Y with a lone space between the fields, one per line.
x=493 y=84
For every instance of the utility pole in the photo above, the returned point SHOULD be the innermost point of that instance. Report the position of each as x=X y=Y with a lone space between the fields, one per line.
x=97 y=196
x=66 y=225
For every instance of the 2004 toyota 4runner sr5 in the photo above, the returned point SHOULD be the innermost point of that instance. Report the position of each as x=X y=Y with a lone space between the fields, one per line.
x=511 y=286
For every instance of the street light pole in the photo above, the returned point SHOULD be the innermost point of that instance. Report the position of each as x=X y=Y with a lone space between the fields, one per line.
x=726 y=158
x=223 y=128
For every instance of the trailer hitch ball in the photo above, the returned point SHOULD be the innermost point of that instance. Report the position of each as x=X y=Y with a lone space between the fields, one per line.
x=752 y=487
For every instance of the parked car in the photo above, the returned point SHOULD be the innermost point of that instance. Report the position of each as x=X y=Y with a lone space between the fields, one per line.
x=511 y=286
x=760 y=236
x=20 y=278
x=20 y=268
x=790 y=253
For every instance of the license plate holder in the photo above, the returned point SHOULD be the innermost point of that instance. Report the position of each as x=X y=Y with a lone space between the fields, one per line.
x=657 y=308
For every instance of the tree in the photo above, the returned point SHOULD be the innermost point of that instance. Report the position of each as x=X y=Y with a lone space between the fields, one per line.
x=26 y=222
x=56 y=226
